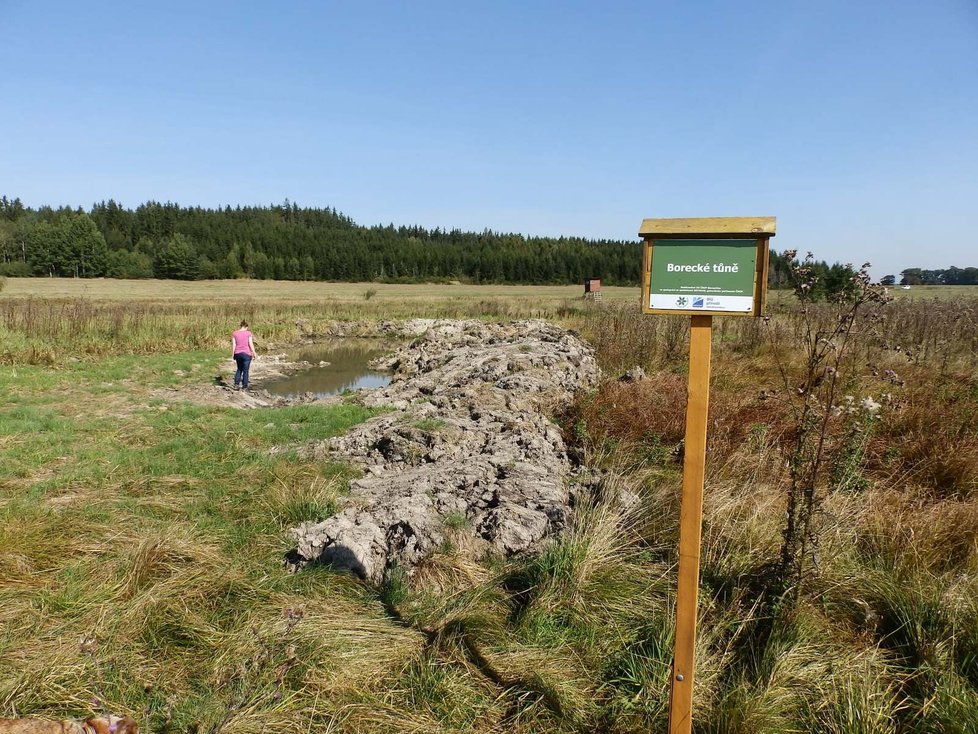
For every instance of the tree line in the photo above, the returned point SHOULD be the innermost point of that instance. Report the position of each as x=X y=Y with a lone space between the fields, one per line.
x=947 y=276
x=289 y=242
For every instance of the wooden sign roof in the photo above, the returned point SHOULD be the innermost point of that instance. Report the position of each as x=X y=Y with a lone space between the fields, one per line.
x=725 y=226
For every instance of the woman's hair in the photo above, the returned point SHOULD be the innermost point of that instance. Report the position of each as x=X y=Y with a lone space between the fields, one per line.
x=244 y=324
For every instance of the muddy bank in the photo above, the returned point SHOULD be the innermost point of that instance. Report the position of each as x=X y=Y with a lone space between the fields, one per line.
x=220 y=390
x=276 y=365
x=468 y=446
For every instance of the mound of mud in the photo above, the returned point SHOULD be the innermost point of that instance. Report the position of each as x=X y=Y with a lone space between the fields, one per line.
x=468 y=445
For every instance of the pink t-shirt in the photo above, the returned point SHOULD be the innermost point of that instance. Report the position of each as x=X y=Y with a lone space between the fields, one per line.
x=241 y=345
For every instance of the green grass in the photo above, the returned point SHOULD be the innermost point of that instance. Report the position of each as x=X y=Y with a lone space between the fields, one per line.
x=430 y=425
x=141 y=546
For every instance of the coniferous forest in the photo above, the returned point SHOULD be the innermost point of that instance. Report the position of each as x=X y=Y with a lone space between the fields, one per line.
x=289 y=242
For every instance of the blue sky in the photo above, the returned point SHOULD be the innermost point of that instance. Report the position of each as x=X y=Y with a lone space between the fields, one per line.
x=855 y=123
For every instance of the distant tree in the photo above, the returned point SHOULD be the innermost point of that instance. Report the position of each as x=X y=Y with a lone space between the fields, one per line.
x=779 y=271
x=125 y=264
x=248 y=259
x=230 y=266
x=47 y=249
x=11 y=210
x=959 y=276
x=8 y=241
x=260 y=266
x=888 y=280
x=87 y=247
x=148 y=246
x=308 y=268
x=115 y=224
x=949 y=276
x=911 y=276
x=293 y=269
x=837 y=279
x=13 y=248
x=176 y=259
x=207 y=269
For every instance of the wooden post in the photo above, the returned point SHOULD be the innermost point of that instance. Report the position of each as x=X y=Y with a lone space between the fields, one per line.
x=700 y=268
x=690 y=525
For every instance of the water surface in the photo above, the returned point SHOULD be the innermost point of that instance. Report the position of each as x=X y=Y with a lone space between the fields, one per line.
x=347 y=370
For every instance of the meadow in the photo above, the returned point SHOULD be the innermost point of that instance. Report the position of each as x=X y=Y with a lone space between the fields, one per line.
x=104 y=289
x=141 y=537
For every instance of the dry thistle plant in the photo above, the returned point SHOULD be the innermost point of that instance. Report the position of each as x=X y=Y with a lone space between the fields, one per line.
x=826 y=421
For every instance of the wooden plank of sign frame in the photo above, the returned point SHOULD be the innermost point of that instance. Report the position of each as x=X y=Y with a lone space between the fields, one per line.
x=704 y=226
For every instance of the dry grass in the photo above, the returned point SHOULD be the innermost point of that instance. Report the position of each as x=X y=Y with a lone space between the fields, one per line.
x=878 y=643
x=266 y=291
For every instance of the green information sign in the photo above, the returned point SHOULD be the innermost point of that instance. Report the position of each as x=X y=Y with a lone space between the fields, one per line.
x=703 y=275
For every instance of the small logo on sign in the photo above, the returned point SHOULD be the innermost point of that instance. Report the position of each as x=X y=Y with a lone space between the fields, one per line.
x=681 y=301
x=698 y=302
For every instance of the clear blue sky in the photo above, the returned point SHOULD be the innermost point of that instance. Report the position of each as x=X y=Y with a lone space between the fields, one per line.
x=855 y=123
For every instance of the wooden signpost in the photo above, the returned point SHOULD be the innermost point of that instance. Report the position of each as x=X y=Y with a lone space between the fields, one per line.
x=703 y=268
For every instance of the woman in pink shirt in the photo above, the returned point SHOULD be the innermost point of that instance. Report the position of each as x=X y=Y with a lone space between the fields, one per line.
x=242 y=351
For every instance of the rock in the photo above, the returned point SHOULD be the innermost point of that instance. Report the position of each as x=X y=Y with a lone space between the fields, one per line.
x=468 y=436
x=635 y=374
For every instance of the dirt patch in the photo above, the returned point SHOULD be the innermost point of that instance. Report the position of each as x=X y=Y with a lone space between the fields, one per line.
x=267 y=368
x=220 y=392
x=468 y=445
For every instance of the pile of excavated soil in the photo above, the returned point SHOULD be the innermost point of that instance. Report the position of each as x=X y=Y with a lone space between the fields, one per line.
x=468 y=444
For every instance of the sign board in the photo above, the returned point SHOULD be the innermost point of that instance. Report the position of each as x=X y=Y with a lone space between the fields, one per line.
x=708 y=266
x=703 y=268
x=703 y=275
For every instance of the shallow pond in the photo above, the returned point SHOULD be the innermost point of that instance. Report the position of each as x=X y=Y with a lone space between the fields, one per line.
x=347 y=369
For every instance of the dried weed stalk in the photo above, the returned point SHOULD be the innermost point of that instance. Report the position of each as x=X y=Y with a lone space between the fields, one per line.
x=823 y=414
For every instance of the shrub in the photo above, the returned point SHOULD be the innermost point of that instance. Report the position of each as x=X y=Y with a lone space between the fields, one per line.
x=16 y=269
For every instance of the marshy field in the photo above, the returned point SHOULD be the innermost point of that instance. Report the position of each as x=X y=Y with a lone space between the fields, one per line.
x=142 y=534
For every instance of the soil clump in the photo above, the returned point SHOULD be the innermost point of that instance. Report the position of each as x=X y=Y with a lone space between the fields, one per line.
x=466 y=447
